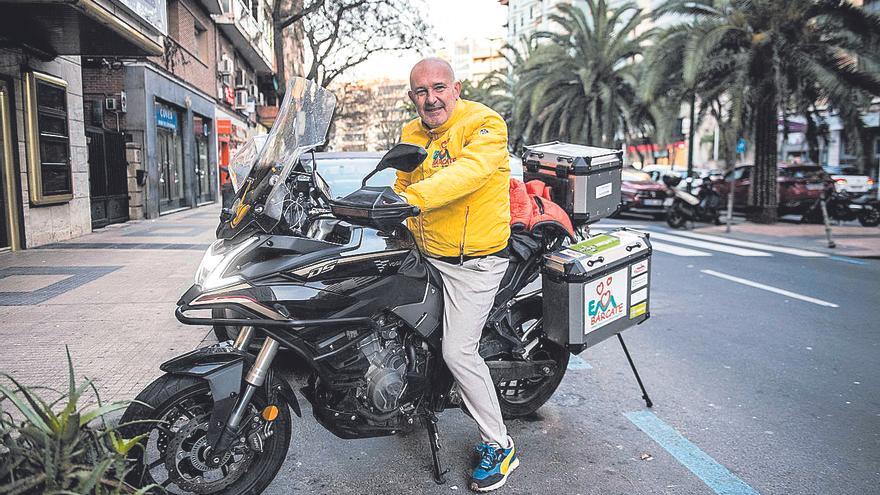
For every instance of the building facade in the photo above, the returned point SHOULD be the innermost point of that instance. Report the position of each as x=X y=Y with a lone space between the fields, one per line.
x=369 y=115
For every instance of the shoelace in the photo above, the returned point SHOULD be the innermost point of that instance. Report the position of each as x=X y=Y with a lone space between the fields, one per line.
x=489 y=456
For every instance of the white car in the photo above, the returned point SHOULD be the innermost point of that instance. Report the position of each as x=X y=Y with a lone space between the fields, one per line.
x=848 y=179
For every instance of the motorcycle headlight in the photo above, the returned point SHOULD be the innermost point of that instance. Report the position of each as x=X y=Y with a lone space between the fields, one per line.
x=209 y=276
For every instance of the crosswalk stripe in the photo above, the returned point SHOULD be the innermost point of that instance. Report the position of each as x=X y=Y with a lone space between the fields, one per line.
x=766 y=247
x=708 y=245
x=677 y=250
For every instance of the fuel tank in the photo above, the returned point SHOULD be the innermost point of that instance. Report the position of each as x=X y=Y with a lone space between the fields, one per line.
x=342 y=271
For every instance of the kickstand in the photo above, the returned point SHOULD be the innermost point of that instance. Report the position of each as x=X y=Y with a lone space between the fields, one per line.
x=635 y=372
x=434 y=440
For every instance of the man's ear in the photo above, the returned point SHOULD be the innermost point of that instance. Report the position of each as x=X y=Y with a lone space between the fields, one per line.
x=412 y=97
x=456 y=89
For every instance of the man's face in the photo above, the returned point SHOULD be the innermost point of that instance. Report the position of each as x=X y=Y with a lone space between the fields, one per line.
x=433 y=92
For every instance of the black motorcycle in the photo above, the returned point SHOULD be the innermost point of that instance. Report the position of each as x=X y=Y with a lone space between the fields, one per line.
x=340 y=285
x=845 y=207
x=685 y=207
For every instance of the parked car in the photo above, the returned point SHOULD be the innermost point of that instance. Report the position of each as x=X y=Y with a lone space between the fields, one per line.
x=848 y=179
x=641 y=194
x=798 y=186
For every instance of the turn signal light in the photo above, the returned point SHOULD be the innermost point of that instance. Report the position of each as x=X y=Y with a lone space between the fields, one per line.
x=270 y=413
x=841 y=181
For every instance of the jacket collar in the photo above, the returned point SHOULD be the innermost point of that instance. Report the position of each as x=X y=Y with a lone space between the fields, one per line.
x=455 y=117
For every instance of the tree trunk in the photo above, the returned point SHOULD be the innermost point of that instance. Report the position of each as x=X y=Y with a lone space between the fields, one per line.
x=812 y=137
x=762 y=206
x=278 y=39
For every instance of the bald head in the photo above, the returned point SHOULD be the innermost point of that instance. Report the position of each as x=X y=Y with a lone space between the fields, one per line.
x=433 y=90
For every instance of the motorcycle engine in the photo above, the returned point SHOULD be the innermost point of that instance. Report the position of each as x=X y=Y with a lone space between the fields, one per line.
x=386 y=376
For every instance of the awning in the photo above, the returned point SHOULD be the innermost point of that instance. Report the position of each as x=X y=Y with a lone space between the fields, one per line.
x=80 y=27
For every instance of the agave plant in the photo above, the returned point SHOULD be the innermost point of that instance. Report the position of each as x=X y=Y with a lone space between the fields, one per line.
x=61 y=446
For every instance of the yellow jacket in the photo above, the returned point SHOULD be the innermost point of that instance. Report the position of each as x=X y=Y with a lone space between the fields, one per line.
x=462 y=188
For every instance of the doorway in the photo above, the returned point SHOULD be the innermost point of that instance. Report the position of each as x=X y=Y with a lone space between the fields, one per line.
x=108 y=177
x=204 y=176
x=9 y=224
x=172 y=193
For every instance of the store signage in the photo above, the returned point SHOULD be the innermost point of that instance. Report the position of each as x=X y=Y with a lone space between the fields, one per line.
x=166 y=117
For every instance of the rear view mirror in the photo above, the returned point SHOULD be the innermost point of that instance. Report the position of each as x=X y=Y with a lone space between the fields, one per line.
x=404 y=157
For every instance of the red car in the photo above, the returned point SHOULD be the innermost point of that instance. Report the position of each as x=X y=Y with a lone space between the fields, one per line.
x=640 y=194
x=798 y=186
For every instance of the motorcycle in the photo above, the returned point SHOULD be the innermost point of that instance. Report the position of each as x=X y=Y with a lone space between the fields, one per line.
x=845 y=207
x=702 y=207
x=340 y=284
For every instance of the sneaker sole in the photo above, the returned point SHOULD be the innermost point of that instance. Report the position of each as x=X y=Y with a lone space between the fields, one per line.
x=513 y=465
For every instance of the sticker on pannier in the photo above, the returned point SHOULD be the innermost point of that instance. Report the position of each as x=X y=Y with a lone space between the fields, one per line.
x=606 y=299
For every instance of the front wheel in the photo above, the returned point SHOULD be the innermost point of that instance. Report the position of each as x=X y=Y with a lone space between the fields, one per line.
x=519 y=398
x=869 y=216
x=173 y=413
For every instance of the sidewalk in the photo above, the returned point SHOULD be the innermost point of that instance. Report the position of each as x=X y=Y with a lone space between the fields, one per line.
x=109 y=296
x=851 y=239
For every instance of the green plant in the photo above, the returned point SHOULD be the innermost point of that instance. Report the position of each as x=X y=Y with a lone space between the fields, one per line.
x=52 y=447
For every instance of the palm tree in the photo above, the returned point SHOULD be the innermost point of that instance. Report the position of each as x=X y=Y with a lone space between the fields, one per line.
x=774 y=56
x=579 y=83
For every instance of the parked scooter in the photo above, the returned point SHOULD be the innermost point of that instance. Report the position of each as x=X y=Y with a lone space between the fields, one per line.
x=702 y=207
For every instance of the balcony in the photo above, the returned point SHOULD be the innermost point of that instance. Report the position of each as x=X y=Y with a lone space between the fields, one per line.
x=49 y=28
x=245 y=32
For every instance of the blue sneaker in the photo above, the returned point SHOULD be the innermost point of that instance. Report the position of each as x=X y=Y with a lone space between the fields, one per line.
x=495 y=466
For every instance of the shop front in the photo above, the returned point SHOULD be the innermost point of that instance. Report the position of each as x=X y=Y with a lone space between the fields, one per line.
x=232 y=132
x=178 y=138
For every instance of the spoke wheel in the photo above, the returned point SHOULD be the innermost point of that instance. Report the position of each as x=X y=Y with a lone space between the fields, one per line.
x=173 y=413
x=522 y=397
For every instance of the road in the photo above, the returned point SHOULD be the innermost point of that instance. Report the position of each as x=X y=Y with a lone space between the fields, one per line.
x=762 y=365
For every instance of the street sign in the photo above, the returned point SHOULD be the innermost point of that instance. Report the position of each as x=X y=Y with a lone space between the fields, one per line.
x=741 y=146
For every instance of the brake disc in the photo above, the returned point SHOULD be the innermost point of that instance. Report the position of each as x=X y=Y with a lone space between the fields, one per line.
x=186 y=455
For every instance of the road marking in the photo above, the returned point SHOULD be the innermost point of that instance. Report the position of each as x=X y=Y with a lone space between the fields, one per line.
x=713 y=474
x=708 y=245
x=770 y=288
x=848 y=260
x=677 y=250
x=766 y=247
x=575 y=362
x=666 y=248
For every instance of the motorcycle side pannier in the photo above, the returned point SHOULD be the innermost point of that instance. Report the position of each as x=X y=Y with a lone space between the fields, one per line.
x=597 y=288
x=584 y=180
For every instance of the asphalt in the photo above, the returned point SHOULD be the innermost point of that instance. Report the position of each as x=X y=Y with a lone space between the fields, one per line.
x=758 y=392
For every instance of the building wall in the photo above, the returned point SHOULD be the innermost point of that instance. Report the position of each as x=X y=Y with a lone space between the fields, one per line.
x=191 y=53
x=99 y=82
x=52 y=223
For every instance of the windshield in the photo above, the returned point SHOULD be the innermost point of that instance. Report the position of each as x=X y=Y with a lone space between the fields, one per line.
x=301 y=125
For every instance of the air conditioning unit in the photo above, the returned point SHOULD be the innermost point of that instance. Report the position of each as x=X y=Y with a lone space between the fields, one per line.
x=111 y=104
x=255 y=90
x=123 y=102
x=239 y=79
x=224 y=67
x=241 y=99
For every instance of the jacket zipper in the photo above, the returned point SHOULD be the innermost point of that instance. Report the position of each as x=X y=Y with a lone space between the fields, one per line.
x=422 y=170
x=467 y=210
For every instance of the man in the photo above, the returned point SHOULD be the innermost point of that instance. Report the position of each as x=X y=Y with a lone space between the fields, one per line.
x=463 y=229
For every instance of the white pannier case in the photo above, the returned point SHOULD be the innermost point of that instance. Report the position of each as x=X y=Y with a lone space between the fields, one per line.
x=597 y=288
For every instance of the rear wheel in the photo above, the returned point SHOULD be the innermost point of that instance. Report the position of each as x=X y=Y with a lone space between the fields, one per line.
x=519 y=398
x=675 y=218
x=173 y=414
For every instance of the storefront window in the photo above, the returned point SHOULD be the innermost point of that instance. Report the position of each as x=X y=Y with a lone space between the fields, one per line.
x=48 y=139
x=204 y=171
x=169 y=144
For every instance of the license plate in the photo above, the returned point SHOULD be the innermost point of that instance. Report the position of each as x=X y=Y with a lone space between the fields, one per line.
x=653 y=202
x=668 y=202
x=815 y=187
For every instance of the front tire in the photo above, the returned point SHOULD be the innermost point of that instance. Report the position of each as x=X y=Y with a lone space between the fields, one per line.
x=869 y=216
x=172 y=412
x=520 y=398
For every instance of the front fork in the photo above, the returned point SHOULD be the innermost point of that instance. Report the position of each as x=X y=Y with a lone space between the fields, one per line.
x=254 y=379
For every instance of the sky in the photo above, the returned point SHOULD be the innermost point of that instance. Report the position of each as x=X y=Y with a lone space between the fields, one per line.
x=452 y=20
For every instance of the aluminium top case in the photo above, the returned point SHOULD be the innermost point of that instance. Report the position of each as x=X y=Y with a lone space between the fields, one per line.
x=584 y=180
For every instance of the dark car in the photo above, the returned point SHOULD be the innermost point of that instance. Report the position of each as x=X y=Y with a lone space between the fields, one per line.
x=640 y=194
x=799 y=186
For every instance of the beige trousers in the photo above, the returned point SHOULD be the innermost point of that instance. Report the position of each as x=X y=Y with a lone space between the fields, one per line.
x=468 y=293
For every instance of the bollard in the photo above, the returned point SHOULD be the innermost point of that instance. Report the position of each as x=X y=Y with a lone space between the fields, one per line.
x=831 y=243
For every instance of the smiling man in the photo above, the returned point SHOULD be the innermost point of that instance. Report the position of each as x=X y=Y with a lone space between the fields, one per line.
x=463 y=229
